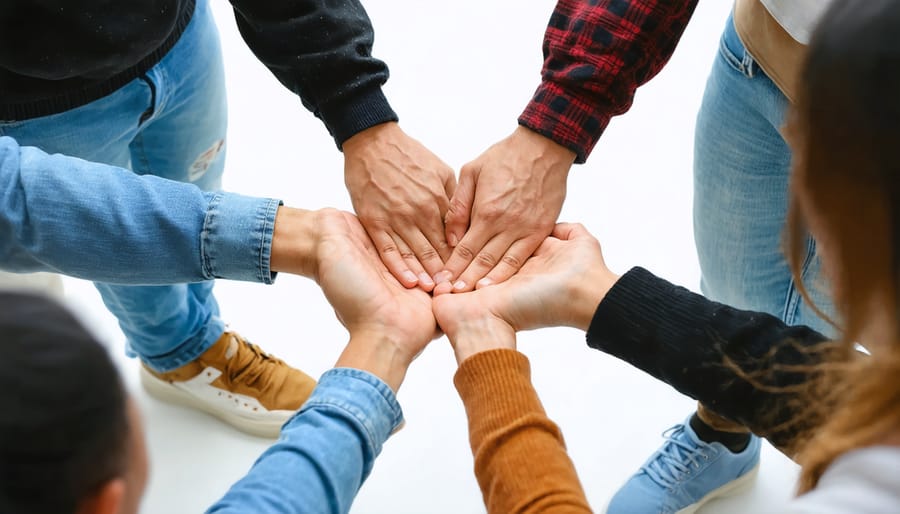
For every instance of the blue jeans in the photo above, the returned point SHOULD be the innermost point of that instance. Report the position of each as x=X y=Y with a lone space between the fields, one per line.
x=741 y=174
x=171 y=123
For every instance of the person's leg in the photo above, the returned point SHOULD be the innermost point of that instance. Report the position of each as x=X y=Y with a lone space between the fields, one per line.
x=181 y=137
x=189 y=357
x=741 y=173
x=171 y=122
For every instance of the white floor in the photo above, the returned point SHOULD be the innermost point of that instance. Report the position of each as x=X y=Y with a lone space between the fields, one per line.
x=461 y=73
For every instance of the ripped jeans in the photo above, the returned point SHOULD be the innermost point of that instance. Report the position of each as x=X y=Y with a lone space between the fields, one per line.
x=170 y=122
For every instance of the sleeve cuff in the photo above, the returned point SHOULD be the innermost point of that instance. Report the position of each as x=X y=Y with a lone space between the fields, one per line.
x=236 y=240
x=617 y=312
x=362 y=396
x=495 y=386
x=345 y=119
x=565 y=119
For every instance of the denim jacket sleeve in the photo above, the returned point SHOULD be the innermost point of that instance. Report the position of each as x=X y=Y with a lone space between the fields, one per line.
x=325 y=451
x=107 y=224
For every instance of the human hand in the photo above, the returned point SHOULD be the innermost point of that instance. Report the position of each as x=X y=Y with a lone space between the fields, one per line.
x=401 y=192
x=389 y=325
x=561 y=284
x=506 y=203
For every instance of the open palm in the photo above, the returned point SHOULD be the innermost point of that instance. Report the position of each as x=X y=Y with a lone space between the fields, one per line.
x=365 y=295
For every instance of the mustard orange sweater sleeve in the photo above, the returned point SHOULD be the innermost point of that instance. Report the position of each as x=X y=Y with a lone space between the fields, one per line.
x=520 y=458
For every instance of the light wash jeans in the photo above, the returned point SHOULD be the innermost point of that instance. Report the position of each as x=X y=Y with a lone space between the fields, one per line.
x=171 y=123
x=741 y=174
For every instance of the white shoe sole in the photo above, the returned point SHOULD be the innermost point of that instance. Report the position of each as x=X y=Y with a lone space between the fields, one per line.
x=265 y=424
x=736 y=486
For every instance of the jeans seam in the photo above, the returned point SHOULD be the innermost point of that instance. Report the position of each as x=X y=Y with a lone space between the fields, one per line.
x=794 y=298
x=206 y=246
x=138 y=143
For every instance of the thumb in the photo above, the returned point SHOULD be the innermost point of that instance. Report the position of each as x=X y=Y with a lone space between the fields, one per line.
x=570 y=231
x=450 y=184
x=456 y=222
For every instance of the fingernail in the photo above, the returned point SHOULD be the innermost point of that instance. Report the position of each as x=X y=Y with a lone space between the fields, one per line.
x=441 y=276
x=409 y=276
x=439 y=290
x=425 y=280
x=484 y=282
x=452 y=240
x=459 y=285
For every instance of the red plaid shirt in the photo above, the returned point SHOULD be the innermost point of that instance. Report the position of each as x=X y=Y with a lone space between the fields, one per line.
x=596 y=54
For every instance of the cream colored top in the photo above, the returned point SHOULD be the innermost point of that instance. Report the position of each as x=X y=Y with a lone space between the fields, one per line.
x=797 y=17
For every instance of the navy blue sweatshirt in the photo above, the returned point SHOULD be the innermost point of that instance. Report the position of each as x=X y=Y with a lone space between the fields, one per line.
x=56 y=55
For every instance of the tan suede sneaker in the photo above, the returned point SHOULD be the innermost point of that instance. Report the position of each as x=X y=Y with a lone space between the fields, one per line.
x=236 y=382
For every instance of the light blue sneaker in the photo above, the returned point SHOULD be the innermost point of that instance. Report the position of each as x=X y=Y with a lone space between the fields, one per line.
x=686 y=473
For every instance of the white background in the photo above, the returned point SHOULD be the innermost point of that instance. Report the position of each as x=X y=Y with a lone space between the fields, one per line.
x=461 y=72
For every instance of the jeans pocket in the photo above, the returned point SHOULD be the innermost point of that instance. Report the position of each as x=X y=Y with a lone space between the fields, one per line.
x=730 y=59
x=732 y=50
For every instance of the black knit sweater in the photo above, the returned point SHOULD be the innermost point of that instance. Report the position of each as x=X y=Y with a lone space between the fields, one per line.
x=712 y=352
x=59 y=54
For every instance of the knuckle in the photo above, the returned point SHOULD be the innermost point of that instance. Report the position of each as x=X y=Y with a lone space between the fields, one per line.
x=491 y=214
x=428 y=253
x=408 y=255
x=485 y=259
x=387 y=249
x=373 y=220
x=512 y=261
x=464 y=251
x=406 y=213
x=456 y=211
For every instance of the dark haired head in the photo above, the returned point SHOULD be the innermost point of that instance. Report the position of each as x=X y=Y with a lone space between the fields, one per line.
x=64 y=427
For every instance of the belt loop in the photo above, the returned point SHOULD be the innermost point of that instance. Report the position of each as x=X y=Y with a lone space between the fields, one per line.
x=748 y=64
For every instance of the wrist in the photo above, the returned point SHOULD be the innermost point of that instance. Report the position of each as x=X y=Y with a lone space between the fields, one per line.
x=476 y=336
x=294 y=241
x=588 y=292
x=378 y=354
x=545 y=147
x=372 y=134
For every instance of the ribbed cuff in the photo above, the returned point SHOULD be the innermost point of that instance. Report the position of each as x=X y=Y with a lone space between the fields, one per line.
x=346 y=118
x=495 y=387
x=628 y=311
x=236 y=241
x=363 y=396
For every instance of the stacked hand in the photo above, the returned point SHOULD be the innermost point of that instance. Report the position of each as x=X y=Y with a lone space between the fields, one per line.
x=507 y=202
x=504 y=208
x=401 y=192
x=560 y=285
x=427 y=230
x=389 y=324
